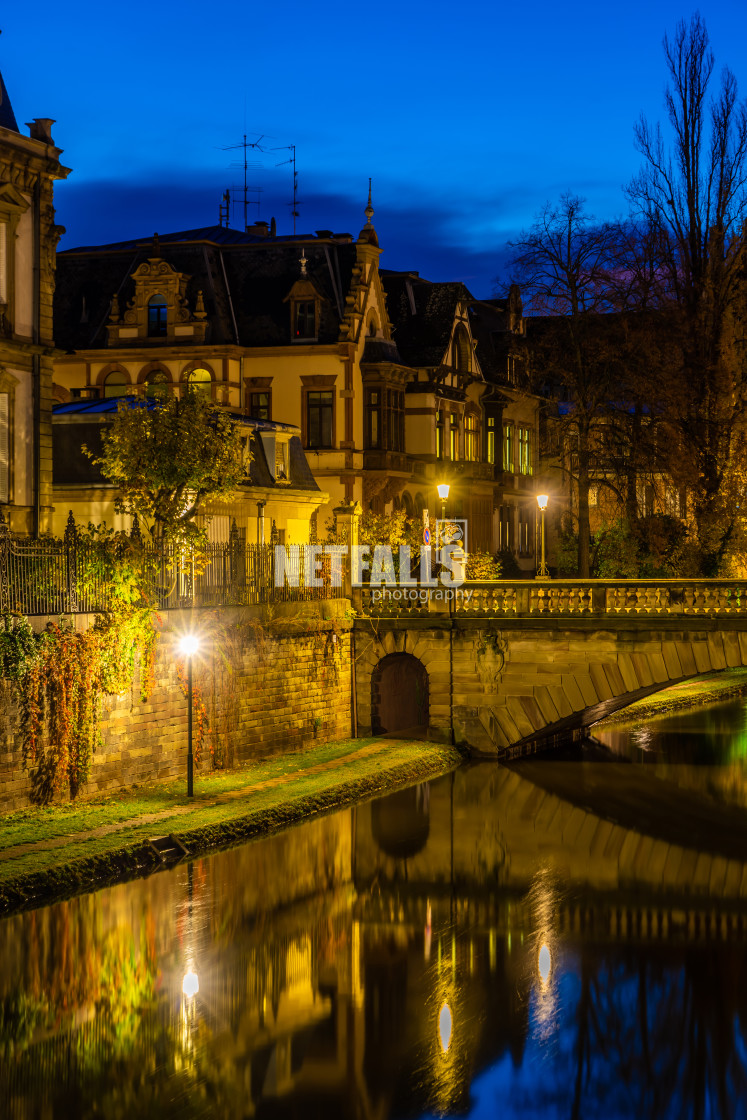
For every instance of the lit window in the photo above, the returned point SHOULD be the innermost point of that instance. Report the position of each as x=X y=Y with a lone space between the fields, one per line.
x=305 y=319
x=319 y=408
x=490 y=449
x=508 y=447
x=116 y=384
x=4 y=447
x=470 y=438
x=525 y=451
x=374 y=418
x=440 y=435
x=453 y=438
x=201 y=382
x=157 y=312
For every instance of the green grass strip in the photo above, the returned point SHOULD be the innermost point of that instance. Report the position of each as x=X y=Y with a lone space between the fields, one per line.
x=86 y=862
x=707 y=689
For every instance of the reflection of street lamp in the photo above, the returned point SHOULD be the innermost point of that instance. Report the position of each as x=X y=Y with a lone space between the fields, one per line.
x=443 y=493
x=542 y=573
x=444 y=1026
x=544 y=963
x=190 y=984
x=188 y=646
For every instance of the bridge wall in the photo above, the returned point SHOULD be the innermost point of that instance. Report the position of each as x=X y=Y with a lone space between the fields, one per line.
x=498 y=684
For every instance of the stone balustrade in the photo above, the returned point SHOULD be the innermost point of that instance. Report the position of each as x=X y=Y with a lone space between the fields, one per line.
x=573 y=597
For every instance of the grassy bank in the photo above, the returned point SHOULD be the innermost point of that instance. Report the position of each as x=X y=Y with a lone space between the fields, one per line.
x=707 y=689
x=48 y=853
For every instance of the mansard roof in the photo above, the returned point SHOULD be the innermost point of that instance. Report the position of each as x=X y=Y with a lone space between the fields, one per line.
x=422 y=314
x=244 y=279
x=7 y=116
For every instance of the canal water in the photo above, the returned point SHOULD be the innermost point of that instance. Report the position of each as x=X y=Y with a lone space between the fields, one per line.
x=561 y=937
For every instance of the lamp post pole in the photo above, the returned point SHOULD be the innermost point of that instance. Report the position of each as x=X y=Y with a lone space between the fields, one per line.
x=443 y=493
x=542 y=572
x=188 y=647
x=190 y=760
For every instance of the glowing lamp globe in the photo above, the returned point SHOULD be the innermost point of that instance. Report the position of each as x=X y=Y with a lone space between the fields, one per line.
x=443 y=490
x=542 y=500
x=188 y=645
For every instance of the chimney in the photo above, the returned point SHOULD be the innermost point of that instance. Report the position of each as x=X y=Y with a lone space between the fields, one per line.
x=41 y=129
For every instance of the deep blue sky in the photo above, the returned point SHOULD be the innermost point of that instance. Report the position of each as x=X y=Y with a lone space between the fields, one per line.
x=468 y=117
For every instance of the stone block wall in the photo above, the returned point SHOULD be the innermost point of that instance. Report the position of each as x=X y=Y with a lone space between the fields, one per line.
x=270 y=691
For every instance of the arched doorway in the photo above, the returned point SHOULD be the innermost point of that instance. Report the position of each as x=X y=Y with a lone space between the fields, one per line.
x=399 y=696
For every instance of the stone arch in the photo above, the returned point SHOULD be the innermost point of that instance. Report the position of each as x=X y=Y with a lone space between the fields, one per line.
x=399 y=695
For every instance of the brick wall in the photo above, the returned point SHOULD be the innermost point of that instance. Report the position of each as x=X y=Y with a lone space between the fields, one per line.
x=266 y=691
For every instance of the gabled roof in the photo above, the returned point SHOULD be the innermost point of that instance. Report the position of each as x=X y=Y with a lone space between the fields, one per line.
x=422 y=314
x=7 y=116
x=244 y=280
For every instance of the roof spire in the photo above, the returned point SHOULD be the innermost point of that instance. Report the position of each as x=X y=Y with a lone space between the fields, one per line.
x=369 y=211
x=302 y=261
x=7 y=116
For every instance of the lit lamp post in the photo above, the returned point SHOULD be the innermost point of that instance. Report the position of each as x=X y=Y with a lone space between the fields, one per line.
x=542 y=572
x=188 y=647
x=443 y=493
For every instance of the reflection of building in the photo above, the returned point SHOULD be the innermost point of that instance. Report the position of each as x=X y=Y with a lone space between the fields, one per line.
x=29 y=166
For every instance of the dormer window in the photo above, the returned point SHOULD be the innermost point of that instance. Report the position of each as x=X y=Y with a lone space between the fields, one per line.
x=305 y=319
x=157 y=316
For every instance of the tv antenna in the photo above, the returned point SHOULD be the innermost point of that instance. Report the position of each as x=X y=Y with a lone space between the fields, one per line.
x=245 y=190
x=295 y=204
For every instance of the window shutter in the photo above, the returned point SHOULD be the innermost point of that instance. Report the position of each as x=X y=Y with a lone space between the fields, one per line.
x=4 y=448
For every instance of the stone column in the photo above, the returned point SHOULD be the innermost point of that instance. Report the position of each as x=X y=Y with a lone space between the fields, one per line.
x=347 y=518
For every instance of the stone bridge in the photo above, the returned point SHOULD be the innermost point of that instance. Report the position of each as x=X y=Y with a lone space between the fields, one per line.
x=498 y=666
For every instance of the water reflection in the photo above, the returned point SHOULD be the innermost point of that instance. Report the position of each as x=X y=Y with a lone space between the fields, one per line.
x=483 y=946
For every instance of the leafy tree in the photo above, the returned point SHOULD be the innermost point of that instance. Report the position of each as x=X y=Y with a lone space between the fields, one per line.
x=170 y=456
x=691 y=191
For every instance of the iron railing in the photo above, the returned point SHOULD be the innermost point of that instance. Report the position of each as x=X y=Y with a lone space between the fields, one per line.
x=53 y=576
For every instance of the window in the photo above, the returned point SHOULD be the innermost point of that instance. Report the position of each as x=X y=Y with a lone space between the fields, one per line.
x=505 y=529
x=439 y=435
x=526 y=530
x=156 y=384
x=490 y=442
x=525 y=451
x=508 y=447
x=304 y=325
x=373 y=422
x=201 y=381
x=462 y=350
x=116 y=384
x=470 y=438
x=281 y=461
x=3 y=262
x=396 y=419
x=319 y=408
x=4 y=447
x=453 y=438
x=157 y=311
x=259 y=405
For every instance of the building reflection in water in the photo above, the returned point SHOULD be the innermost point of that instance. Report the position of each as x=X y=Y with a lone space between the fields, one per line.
x=478 y=945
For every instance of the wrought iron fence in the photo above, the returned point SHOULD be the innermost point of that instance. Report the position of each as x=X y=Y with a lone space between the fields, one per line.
x=53 y=576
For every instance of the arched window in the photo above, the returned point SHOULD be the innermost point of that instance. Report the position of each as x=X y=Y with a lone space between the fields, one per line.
x=157 y=311
x=156 y=384
x=201 y=381
x=116 y=384
x=462 y=350
x=419 y=504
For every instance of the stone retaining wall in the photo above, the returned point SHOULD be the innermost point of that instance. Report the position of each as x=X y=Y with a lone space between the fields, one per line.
x=265 y=690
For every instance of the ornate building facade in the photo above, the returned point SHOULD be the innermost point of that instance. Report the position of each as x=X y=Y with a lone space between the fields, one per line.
x=29 y=167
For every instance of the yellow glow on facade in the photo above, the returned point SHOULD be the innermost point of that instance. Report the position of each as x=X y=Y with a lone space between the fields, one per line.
x=444 y=1026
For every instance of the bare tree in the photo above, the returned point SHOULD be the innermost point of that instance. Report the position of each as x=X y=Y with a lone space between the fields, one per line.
x=563 y=266
x=691 y=191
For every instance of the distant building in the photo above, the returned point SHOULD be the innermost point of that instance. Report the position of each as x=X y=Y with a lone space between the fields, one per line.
x=375 y=371
x=29 y=166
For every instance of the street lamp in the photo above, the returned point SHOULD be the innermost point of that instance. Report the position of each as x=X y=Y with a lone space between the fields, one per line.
x=188 y=647
x=190 y=984
x=542 y=573
x=443 y=493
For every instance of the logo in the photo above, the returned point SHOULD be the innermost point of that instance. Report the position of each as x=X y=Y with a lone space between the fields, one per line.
x=451 y=532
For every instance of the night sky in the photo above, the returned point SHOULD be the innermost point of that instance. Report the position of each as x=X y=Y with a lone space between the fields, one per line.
x=467 y=117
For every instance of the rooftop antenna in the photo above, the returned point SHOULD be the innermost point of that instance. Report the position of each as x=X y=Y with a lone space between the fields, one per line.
x=292 y=149
x=246 y=144
x=224 y=209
